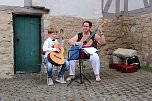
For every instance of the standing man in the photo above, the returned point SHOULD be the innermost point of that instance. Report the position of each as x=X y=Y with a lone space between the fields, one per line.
x=94 y=58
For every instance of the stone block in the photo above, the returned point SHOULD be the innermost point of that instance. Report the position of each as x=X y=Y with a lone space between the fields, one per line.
x=121 y=52
x=117 y=59
x=120 y=55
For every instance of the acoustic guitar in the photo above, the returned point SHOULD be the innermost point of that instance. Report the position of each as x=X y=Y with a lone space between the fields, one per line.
x=84 y=55
x=57 y=58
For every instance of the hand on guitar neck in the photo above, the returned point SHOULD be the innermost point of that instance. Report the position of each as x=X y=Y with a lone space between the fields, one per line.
x=101 y=29
x=61 y=40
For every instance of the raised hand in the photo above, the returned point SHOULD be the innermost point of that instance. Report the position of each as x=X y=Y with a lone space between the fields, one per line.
x=62 y=33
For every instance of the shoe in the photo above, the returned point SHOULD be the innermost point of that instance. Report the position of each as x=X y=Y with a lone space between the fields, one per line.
x=50 y=81
x=60 y=80
x=98 y=78
x=70 y=78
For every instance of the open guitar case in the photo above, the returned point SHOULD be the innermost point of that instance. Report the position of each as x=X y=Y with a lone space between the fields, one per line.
x=132 y=65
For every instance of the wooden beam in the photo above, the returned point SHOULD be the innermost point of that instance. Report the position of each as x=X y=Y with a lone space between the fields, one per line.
x=25 y=10
x=136 y=12
x=140 y=11
x=102 y=4
x=145 y=3
x=110 y=16
x=107 y=6
x=117 y=7
x=29 y=10
x=126 y=7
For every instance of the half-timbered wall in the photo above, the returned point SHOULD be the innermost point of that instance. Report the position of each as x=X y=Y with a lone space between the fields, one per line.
x=111 y=9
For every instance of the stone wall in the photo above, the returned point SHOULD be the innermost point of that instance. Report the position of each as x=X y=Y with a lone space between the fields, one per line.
x=138 y=35
x=126 y=32
x=71 y=26
x=6 y=45
x=113 y=35
x=131 y=33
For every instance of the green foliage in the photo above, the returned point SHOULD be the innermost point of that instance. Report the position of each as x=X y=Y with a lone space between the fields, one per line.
x=149 y=69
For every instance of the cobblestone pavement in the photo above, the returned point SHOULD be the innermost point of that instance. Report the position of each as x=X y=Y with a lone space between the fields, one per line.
x=115 y=86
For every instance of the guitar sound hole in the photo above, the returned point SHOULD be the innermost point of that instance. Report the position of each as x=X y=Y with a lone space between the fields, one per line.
x=57 y=57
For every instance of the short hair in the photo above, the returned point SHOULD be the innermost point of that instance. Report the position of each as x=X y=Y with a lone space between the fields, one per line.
x=90 y=24
x=52 y=30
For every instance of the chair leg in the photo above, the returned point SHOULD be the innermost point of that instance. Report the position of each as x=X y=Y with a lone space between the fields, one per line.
x=57 y=69
x=46 y=78
x=42 y=71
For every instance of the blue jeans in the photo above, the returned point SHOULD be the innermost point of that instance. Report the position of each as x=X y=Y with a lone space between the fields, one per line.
x=49 y=67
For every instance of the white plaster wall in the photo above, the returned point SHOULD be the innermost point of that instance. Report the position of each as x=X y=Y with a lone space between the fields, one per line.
x=75 y=8
x=12 y=2
x=135 y=4
x=83 y=8
x=112 y=6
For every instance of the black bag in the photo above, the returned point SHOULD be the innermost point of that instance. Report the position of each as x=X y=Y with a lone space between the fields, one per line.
x=134 y=61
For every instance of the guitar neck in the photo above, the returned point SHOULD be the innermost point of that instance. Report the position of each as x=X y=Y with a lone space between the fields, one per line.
x=92 y=34
x=61 y=40
x=86 y=41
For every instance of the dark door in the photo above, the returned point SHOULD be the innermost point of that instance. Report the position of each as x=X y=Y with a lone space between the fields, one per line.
x=26 y=43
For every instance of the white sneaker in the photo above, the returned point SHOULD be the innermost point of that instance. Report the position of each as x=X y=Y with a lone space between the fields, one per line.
x=98 y=78
x=60 y=80
x=50 y=81
x=70 y=78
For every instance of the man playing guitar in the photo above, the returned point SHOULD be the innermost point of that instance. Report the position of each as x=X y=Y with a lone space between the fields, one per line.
x=94 y=58
x=48 y=48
